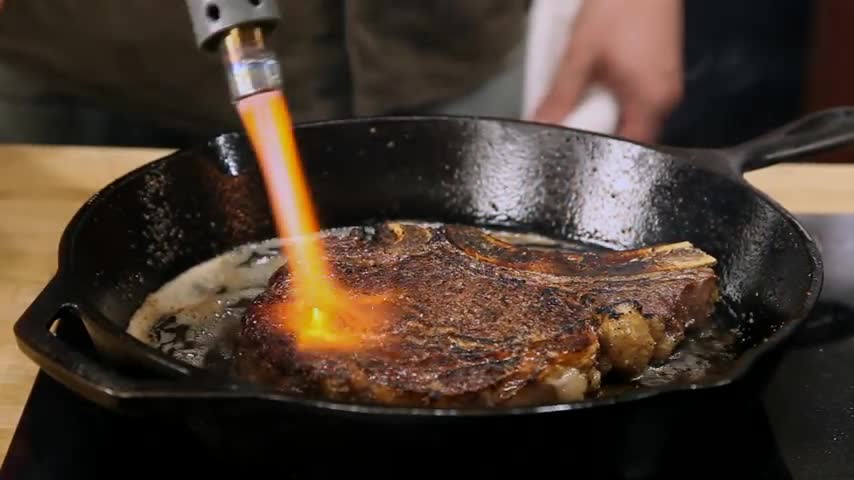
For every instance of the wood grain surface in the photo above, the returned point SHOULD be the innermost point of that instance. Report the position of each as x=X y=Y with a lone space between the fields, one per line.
x=42 y=187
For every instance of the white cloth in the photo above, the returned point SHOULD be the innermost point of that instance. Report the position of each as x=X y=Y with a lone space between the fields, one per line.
x=550 y=24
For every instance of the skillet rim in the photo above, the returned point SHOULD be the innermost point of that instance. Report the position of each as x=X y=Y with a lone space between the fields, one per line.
x=176 y=389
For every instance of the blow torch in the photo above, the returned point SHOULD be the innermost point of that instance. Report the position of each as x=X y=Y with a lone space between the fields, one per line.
x=238 y=30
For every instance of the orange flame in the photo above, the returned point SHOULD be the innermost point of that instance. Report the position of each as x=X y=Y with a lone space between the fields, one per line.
x=342 y=324
x=321 y=315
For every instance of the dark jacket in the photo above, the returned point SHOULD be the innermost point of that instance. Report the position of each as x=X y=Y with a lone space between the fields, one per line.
x=340 y=57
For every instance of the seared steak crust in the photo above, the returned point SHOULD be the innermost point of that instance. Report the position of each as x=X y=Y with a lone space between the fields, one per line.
x=478 y=321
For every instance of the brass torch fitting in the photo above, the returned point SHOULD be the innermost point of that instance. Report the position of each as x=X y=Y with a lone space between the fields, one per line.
x=251 y=67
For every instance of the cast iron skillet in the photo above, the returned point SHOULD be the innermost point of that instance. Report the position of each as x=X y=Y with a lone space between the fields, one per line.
x=159 y=220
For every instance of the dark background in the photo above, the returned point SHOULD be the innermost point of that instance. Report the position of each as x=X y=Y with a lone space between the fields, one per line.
x=754 y=65
x=747 y=69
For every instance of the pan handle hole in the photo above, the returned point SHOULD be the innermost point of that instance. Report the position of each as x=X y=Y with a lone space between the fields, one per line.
x=54 y=325
x=212 y=11
x=255 y=3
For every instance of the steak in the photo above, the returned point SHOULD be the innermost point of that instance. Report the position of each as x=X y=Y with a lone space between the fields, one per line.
x=479 y=321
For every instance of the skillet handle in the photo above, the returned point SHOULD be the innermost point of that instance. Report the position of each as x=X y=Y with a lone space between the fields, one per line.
x=79 y=371
x=812 y=134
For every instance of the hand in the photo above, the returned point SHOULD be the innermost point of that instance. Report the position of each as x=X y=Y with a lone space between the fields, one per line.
x=633 y=48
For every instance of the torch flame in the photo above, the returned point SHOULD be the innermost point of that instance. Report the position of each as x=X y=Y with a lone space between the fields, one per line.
x=320 y=314
x=346 y=323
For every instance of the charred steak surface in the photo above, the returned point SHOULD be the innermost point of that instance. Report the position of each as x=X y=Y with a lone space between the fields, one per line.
x=479 y=321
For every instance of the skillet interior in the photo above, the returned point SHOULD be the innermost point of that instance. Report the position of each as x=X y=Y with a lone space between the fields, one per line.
x=164 y=218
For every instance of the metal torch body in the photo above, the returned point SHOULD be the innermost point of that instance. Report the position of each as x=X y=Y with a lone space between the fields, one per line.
x=239 y=31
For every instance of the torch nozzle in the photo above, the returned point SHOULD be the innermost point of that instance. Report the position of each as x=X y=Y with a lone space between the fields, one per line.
x=251 y=66
x=239 y=29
